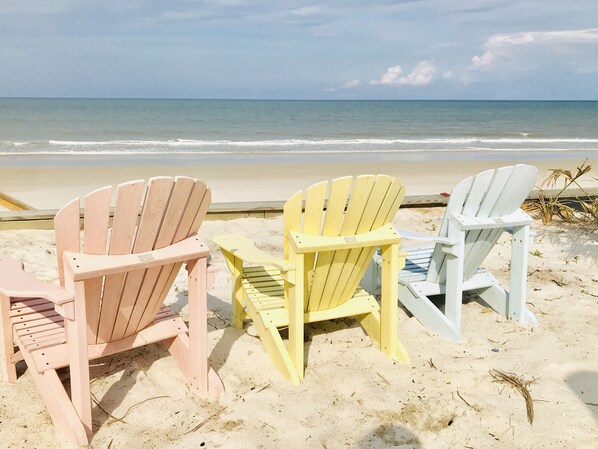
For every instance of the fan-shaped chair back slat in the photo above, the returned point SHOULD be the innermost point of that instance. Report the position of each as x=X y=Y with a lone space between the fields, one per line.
x=492 y=193
x=96 y=223
x=122 y=304
x=354 y=207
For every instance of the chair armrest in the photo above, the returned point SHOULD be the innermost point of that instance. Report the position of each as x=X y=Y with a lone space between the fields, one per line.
x=16 y=283
x=467 y=223
x=408 y=235
x=307 y=243
x=88 y=266
x=244 y=249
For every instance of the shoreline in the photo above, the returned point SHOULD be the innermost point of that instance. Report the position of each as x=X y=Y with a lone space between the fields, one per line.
x=81 y=159
x=49 y=186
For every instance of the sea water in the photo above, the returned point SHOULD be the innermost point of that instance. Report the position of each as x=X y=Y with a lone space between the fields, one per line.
x=225 y=130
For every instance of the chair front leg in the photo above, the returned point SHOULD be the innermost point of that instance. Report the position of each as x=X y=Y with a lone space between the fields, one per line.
x=76 y=334
x=519 y=250
x=454 y=279
x=388 y=299
x=296 y=311
x=198 y=326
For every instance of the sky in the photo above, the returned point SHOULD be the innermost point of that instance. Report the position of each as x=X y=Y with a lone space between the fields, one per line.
x=284 y=49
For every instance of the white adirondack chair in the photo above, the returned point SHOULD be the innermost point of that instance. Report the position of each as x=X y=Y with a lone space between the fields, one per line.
x=480 y=209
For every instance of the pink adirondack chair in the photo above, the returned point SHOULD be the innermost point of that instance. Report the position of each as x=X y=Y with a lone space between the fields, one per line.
x=111 y=294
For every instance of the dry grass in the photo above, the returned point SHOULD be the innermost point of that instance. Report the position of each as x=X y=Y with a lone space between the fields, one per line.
x=579 y=209
x=520 y=385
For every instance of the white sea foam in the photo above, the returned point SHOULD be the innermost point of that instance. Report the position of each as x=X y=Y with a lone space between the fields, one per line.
x=294 y=146
x=294 y=142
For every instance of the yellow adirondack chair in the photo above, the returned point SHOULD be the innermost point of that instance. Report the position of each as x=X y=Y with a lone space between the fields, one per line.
x=327 y=250
x=111 y=294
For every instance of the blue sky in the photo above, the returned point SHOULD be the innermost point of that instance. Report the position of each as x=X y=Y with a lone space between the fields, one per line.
x=329 y=49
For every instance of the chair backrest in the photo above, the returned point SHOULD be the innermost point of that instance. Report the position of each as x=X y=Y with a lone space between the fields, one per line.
x=354 y=206
x=167 y=211
x=491 y=193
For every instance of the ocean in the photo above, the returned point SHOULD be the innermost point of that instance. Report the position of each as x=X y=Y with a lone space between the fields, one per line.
x=60 y=131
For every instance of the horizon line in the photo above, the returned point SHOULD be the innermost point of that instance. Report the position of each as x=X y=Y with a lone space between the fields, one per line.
x=291 y=99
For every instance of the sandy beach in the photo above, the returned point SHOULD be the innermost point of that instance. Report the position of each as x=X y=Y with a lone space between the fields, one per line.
x=353 y=396
x=259 y=101
x=51 y=184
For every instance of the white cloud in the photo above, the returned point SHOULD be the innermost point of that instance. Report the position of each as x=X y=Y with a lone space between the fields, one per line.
x=501 y=47
x=390 y=78
x=421 y=75
x=484 y=60
x=350 y=84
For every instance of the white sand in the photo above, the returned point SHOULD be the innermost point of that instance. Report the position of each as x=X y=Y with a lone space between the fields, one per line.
x=353 y=396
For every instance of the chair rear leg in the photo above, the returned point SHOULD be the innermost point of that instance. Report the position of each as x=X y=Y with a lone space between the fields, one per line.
x=278 y=353
x=179 y=349
x=59 y=405
x=371 y=325
x=274 y=345
x=427 y=313
x=496 y=297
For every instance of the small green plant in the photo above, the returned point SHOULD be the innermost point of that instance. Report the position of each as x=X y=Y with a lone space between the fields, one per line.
x=580 y=209
x=537 y=253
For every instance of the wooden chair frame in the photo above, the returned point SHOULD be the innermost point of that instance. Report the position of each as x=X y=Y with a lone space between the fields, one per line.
x=321 y=255
x=480 y=210
x=50 y=327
